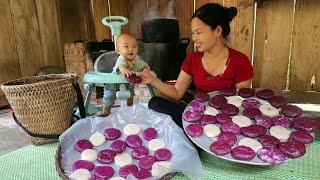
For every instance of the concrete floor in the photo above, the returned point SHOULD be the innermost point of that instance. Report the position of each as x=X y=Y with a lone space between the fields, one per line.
x=12 y=136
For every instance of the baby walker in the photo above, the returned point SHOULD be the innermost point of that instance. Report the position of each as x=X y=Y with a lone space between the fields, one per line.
x=97 y=77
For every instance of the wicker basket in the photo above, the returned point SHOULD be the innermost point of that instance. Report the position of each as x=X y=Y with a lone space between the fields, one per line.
x=42 y=105
x=61 y=173
x=78 y=61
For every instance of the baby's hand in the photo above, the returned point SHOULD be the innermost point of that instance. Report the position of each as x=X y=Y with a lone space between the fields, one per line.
x=126 y=72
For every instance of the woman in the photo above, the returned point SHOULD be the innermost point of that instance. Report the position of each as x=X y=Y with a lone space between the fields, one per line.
x=214 y=66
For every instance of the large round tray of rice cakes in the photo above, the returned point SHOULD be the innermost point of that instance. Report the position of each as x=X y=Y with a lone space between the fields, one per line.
x=248 y=126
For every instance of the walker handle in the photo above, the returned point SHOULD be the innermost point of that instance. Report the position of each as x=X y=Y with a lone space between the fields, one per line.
x=115 y=23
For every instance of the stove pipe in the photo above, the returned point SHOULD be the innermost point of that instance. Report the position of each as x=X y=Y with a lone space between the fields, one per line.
x=161 y=47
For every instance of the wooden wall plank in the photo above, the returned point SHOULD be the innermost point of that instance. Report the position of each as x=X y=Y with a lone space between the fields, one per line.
x=183 y=12
x=120 y=8
x=241 y=34
x=27 y=34
x=100 y=9
x=87 y=26
x=305 y=46
x=137 y=11
x=76 y=20
x=272 y=43
x=9 y=61
x=50 y=33
x=199 y=3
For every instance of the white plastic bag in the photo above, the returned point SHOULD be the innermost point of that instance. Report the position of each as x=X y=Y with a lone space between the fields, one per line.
x=184 y=158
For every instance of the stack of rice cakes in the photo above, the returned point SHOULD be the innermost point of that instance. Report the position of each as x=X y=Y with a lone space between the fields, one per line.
x=249 y=127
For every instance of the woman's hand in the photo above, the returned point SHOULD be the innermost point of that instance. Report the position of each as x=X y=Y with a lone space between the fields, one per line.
x=147 y=78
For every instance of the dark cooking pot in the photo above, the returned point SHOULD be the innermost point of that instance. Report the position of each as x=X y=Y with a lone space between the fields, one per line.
x=160 y=31
x=165 y=59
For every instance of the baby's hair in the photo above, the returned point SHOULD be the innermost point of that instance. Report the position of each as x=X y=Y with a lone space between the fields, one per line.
x=214 y=15
x=122 y=34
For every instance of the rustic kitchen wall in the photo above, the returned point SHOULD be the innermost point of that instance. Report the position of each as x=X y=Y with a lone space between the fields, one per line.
x=282 y=38
x=33 y=33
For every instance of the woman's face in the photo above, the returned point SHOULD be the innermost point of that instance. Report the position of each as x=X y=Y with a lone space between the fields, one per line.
x=203 y=36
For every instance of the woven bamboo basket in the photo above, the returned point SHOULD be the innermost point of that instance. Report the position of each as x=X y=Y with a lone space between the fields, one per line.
x=42 y=105
x=78 y=61
x=60 y=170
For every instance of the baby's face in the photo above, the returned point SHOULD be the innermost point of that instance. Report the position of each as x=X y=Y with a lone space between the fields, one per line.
x=127 y=47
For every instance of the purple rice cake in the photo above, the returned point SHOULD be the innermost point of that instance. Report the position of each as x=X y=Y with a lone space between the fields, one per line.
x=196 y=106
x=133 y=141
x=162 y=154
x=118 y=146
x=264 y=120
x=201 y=96
x=265 y=94
x=293 y=149
x=291 y=111
x=251 y=112
x=207 y=119
x=194 y=130
x=220 y=148
x=282 y=121
x=268 y=141
x=191 y=117
x=134 y=79
x=147 y=162
x=301 y=136
x=254 y=131
x=124 y=171
x=228 y=92
x=82 y=164
x=305 y=123
x=218 y=101
x=140 y=152
x=142 y=174
x=230 y=127
x=271 y=155
x=222 y=118
x=227 y=137
x=150 y=133
x=103 y=172
x=278 y=101
x=112 y=133
x=246 y=92
x=82 y=145
x=230 y=109
x=250 y=102
x=243 y=153
x=106 y=156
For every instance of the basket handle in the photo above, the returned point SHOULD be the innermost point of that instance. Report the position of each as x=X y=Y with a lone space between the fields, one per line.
x=56 y=136
x=48 y=136
x=79 y=100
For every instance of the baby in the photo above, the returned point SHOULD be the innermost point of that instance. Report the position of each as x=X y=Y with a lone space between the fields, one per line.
x=127 y=63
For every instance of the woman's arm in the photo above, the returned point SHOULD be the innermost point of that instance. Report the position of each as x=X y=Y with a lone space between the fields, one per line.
x=244 y=84
x=175 y=92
